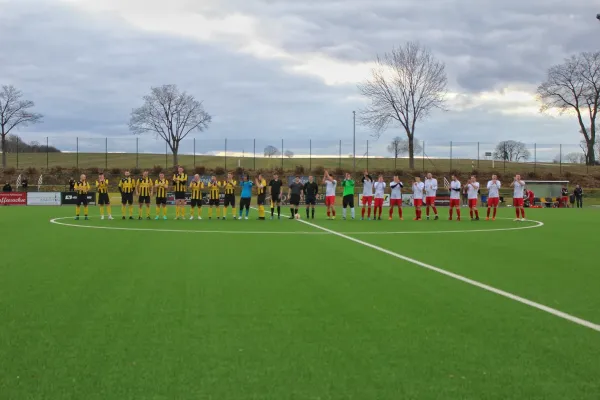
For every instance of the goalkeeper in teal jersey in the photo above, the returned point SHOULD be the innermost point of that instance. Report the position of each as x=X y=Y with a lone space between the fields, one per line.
x=348 y=199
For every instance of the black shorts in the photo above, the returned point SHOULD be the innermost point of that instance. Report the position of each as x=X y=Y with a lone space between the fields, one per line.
x=161 y=200
x=348 y=201
x=295 y=200
x=311 y=200
x=245 y=202
x=82 y=199
x=126 y=198
x=214 y=202
x=260 y=199
x=103 y=199
x=144 y=200
x=275 y=199
x=196 y=202
x=229 y=200
x=179 y=195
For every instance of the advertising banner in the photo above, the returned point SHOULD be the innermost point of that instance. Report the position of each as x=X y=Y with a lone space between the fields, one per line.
x=386 y=200
x=70 y=198
x=44 y=199
x=13 y=198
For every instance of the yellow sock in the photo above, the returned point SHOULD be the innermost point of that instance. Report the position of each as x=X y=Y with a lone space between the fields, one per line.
x=192 y=211
x=233 y=211
x=147 y=211
x=261 y=211
x=131 y=210
x=140 y=212
x=123 y=210
x=109 y=209
x=77 y=208
x=182 y=211
x=199 y=211
x=210 y=212
x=224 y=211
x=102 y=211
x=164 y=211
x=157 y=210
x=176 y=211
x=85 y=210
x=218 y=211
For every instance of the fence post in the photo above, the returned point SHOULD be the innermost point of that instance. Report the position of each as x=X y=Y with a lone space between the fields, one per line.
x=47 y=153
x=225 y=154
x=281 y=153
x=137 y=152
x=340 y=160
x=194 y=153
x=309 y=155
x=367 y=154
x=450 y=157
x=560 y=157
x=254 y=154
x=477 y=155
x=77 y=153
x=17 y=152
x=105 y=153
x=534 y=157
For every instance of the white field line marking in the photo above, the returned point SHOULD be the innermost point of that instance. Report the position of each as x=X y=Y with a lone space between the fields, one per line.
x=55 y=221
x=480 y=285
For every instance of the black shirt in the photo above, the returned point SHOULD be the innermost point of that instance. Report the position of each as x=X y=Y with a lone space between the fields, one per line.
x=275 y=186
x=7 y=188
x=296 y=188
x=578 y=192
x=565 y=192
x=311 y=189
x=71 y=185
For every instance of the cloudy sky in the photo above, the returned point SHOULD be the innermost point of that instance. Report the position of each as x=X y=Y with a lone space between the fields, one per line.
x=286 y=69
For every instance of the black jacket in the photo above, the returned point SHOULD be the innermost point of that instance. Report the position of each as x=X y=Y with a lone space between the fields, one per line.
x=7 y=188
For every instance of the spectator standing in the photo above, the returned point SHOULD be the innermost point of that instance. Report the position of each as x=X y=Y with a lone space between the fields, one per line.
x=578 y=193
x=7 y=187
x=71 y=185
x=25 y=184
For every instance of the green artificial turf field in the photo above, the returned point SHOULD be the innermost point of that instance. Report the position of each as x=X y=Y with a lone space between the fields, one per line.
x=284 y=310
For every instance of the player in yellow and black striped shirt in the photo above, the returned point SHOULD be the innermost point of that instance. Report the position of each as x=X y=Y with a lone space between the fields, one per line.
x=180 y=183
x=127 y=187
x=82 y=187
x=229 y=186
x=103 y=199
x=196 y=187
x=261 y=191
x=144 y=190
x=214 y=194
x=161 y=185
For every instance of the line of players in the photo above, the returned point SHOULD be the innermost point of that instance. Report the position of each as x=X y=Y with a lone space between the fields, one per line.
x=424 y=193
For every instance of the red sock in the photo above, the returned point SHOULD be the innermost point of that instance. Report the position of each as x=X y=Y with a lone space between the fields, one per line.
x=380 y=211
x=419 y=213
x=522 y=212
x=328 y=213
x=517 y=211
x=400 y=212
x=362 y=213
x=451 y=209
x=477 y=213
x=434 y=210
x=333 y=213
x=471 y=213
x=391 y=211
x=495 y=212
x=458 y=212
x=488 y=212
x=427 y=211
x=369 y=213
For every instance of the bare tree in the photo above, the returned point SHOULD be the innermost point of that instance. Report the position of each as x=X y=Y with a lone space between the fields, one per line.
x=406 y=85
x=271 y=151
x=584 y=147
x=14 y=112
x=574 y=87
x=575 y=158
x=170 y=115
x=511 y=150
x=289 y=154
x=399 y=147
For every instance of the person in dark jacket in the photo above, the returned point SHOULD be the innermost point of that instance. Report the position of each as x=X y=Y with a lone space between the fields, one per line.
x=7 y=187
x=25 y=184
x=71 y=185
x=578 y=193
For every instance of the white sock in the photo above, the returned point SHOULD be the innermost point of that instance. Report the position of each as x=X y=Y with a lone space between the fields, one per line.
x=344 y=212
x=352 y=211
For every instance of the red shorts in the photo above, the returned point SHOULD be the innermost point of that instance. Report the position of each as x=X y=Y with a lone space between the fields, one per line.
x=430 y=200
x=329 y=200
x=564 y=200
x=418 y=202
x=472 y=203
x=454 y=202
x=367 y=200
x=518 y=202
x=493 y=201
x=378 y=202
x=396 y=202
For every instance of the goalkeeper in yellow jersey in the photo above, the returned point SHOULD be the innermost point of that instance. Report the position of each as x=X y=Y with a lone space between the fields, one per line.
x=82 y=187
x=103 y=199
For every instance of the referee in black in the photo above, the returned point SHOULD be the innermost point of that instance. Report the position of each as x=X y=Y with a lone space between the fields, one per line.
x=294 y=193
x=578 y=193
x=311 y=189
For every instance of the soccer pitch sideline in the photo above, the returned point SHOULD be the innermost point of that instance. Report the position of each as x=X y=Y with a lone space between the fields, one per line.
x=299 y=309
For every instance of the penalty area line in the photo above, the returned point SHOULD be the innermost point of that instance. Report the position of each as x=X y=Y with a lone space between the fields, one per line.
x=461 y=278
